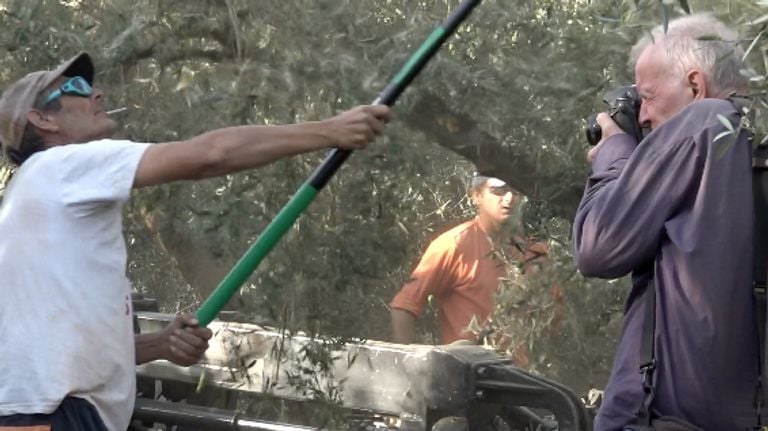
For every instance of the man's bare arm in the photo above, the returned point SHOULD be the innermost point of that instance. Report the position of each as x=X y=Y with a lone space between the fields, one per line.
x=403 y=326
x=233 y=149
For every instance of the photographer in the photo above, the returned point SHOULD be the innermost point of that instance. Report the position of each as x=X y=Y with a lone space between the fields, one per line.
x=676 y=211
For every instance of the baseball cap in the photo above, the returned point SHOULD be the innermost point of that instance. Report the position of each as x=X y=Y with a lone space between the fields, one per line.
x=495 y=182
x=17 y=100
x=478 y=180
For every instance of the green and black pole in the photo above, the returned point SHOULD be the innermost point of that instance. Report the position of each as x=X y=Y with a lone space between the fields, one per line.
x=307 y=192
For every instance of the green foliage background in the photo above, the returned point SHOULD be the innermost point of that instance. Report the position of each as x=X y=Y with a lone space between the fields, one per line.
x=507 y=96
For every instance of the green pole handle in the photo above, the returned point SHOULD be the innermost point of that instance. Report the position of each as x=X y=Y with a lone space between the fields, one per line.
x=255 y=254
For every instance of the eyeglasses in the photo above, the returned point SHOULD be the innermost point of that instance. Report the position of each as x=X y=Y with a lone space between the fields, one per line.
x=75 y=86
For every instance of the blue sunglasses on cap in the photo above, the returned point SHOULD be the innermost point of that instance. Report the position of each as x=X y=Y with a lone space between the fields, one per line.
x=75 y=86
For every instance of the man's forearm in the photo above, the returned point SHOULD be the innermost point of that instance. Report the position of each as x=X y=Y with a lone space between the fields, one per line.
x=232 y=149
x=246 y=147
x=403 y=326
x=227 y=150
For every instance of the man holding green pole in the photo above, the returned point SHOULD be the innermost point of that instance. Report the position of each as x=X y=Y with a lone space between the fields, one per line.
x=68 y=354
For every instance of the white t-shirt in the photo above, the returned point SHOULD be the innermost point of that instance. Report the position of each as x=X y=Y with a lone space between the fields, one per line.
x=65 y=306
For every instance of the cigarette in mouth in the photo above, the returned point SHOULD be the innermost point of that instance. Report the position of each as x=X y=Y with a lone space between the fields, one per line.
x=115 y=111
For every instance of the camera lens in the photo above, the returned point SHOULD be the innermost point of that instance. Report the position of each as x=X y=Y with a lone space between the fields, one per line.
x=593 y=131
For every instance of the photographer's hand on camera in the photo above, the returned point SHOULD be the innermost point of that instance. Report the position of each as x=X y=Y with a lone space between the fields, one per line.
x=609 y=128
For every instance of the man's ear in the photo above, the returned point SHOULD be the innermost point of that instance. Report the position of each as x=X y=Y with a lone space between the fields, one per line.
x=42 y=121
x=474 y=196
x=696 y=82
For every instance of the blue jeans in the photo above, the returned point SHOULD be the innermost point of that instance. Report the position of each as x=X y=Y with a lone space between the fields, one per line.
x=73 y=414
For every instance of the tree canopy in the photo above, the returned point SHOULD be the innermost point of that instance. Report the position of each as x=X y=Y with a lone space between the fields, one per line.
x=506 y=96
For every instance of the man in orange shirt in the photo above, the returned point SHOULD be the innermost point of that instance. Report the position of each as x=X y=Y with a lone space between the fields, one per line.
x=460 y=268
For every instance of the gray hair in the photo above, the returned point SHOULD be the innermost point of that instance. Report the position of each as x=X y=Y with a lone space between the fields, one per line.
x=703 y=42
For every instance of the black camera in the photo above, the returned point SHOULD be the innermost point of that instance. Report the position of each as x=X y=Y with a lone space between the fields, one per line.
x=624 y=107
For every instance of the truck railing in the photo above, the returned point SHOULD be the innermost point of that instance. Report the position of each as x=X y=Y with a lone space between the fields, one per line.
x=406 y=387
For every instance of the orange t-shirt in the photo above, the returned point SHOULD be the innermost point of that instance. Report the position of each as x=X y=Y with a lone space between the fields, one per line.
x=460 y=270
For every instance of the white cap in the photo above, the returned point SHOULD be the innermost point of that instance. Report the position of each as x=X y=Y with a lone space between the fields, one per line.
x=495 y=182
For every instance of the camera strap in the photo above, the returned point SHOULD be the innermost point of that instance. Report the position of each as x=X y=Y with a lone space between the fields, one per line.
x=647 y=351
